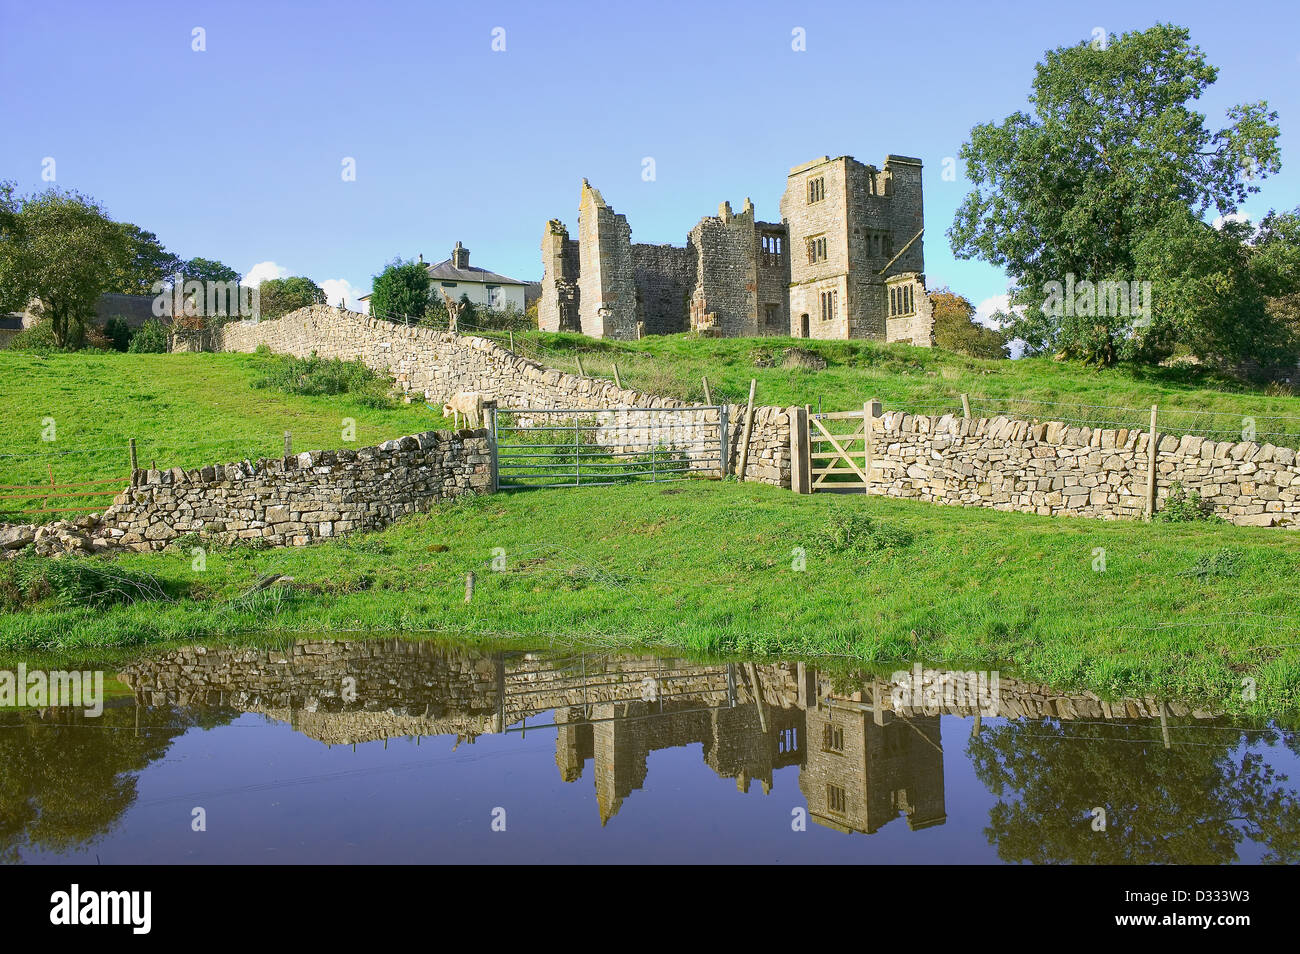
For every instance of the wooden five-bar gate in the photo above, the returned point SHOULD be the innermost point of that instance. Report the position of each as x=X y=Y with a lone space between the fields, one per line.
x=832 y=450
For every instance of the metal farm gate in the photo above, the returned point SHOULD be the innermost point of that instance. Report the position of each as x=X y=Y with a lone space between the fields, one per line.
x=586 y=447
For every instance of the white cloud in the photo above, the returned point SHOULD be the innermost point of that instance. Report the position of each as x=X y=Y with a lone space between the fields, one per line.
x=989 y=307
x=1221 y=220
x=986 y=309
x=262 y=271
x=340 y=292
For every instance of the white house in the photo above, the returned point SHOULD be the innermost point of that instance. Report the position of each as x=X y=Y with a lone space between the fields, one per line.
x=457 y=277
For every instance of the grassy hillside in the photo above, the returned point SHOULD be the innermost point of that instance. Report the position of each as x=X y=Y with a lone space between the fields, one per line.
x=183 y=410
x=191 y=409
x=1186 y=610
x=926 y=380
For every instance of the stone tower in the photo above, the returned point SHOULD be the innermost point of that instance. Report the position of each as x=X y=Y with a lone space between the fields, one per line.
x=558 y=308
x=606 y=286
x=742 y=274
x=856 y=255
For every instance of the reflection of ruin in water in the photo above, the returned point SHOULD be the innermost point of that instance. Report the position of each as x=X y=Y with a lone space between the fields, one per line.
x=862 y=763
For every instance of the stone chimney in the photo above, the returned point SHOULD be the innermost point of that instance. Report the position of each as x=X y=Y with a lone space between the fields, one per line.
x=460 y=256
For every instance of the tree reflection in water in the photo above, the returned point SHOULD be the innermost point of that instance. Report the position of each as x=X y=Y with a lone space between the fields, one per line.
x=67 y=779
x=1193 y=803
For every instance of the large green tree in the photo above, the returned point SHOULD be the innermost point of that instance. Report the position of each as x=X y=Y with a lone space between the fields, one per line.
x=279 y=296
x=146 y=262
x=1111 y=151
x=208 y=270
x=61 y=248
x=401 y=290
x=1275 y=264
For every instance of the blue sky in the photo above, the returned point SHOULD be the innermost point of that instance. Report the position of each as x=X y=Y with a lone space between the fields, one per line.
x=236 y=152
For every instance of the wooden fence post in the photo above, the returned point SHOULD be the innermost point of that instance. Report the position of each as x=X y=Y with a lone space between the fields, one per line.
x=708 y=394
x=288 y=444
x=965 y=405
x=577 y=357
x=512 y=341
x=869 y=412
x=134 y=463
x=618 y=382
x=800 y=464
x=1151 y=466
x=749 y=424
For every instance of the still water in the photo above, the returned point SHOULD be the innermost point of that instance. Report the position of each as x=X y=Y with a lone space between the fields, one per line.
x=393 y=751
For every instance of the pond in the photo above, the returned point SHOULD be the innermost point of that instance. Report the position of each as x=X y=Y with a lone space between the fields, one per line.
x=393 y=751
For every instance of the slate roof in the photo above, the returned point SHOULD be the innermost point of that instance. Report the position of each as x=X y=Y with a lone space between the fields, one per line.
x=447 y=272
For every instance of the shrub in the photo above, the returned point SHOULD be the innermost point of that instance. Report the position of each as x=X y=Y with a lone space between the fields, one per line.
x=38 y=339
x=509 y=318
x=70 y=581
x=1184 y=507
x=119 y=333
x=316 y=376
x=1223 y=562
x=856 y=531
x=151 y=338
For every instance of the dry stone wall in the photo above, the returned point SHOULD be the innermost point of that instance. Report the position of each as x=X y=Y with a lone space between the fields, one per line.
x=437 y=364
x=300 y=499
x=1005 y=464
x=1056 y=468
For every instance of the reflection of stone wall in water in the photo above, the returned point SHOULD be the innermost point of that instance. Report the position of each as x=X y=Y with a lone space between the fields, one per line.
x=862 y=763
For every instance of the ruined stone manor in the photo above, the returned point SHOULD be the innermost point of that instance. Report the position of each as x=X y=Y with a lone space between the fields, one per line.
x=845 y=261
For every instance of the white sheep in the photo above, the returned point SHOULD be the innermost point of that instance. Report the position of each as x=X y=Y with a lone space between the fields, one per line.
x=469 y=403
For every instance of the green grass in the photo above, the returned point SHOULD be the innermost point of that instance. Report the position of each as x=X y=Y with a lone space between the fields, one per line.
x=1181 y=610
x=927 y=380
x=184 y=410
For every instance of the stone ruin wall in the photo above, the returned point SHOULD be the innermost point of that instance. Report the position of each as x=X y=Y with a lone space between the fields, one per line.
x=558 y=308
x=606 y=278
x=726 y=296
x=665 y=277
x=304 y=498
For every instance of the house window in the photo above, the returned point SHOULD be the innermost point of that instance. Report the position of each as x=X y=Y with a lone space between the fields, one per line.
x=495 y=300
x=829 y=304
x=788 y=741
x=816 y=189
x=902 y=300
x=833 y=738
x=447 y=284
x=880 y=244
x=835 y=800
x=816 y=249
